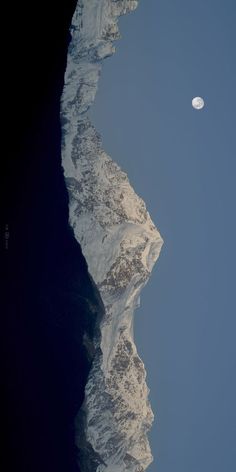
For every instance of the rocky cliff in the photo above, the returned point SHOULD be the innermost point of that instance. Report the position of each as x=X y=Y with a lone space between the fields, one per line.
x=120 y=244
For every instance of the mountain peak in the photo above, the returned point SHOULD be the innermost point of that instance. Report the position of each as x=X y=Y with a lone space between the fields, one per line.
x=120 y=244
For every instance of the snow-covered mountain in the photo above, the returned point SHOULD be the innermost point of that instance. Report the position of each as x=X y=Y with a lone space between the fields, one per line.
x=120 y=244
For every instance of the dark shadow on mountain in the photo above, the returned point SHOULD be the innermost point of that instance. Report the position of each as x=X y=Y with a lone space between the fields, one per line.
x=49 y=298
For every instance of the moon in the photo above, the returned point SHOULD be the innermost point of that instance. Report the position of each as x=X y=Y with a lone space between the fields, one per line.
x=198 y=103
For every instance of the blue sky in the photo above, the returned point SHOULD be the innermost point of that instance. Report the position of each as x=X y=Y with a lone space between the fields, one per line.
x=182 y=162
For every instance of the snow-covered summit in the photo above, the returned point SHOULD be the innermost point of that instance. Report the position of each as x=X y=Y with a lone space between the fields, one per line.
x=120 y=244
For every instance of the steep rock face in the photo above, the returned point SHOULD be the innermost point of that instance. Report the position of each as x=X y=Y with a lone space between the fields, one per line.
x=120 y=244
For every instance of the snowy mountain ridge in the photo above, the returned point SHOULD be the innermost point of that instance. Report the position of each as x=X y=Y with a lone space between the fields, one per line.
x=120 y=244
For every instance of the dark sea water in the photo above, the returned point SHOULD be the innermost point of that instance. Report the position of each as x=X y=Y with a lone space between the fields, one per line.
x=47 y=292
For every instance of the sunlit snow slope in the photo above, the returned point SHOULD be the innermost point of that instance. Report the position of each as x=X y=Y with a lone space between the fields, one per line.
x=120 y=244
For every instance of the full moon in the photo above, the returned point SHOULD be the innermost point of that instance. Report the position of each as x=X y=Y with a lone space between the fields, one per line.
x=198 y=103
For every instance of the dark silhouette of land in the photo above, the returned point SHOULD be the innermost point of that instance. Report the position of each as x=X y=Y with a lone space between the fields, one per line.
x=45 y=283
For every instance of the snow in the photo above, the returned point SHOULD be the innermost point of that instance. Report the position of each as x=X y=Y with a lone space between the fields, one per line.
x=120 y=244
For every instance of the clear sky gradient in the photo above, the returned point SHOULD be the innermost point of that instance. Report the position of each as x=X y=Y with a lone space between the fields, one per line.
x=182 y=162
